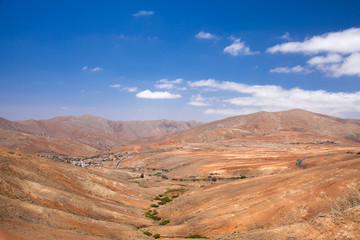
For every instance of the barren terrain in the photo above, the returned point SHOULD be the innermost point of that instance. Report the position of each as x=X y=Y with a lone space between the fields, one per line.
x=244 y=187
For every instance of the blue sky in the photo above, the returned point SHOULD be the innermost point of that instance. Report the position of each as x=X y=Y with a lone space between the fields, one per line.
x=180 y=60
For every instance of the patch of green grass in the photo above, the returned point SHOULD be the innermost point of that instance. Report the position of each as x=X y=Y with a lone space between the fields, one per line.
x=147 y=233
x=164 y=222
x=181 y=190
x=156 y=236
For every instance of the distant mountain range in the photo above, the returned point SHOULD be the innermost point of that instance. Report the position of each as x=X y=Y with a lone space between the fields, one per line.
x=88 y=134
x=293 y=125
x=83 y=135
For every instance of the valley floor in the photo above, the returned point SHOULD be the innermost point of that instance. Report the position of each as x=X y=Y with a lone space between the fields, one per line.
x=226 y=190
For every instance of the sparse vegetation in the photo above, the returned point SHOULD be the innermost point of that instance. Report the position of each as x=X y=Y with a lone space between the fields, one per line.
x=11 y=152
x=164 y=222
x=243 y=177
x=193 y=236
x=164 y=200
x=148 y=214
x=156 y=236
x=147 y=233
x=154 y=205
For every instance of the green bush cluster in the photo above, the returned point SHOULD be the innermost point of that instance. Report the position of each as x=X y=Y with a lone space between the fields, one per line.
x=165 y=222
x=156 y=236
x=195 y=236
x=147 y=233
x=154 y=205
x=153 y=216
x=164 y=200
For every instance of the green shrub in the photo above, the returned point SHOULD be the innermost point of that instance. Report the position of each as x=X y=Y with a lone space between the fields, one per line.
x=148 y=233
x=11 y=152
x=152 y=216
x=154 y=205
x=164 y=222
x=195 y=236
x=243 y=177
x=156 y=236
x=164 y=201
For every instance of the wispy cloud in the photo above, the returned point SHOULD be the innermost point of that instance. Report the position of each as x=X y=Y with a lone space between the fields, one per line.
x=296 y=69
x=276 y=98
x=342 y=51
x=199 y=101
x=238 y=48
x=131 y=89
x=128 y=89
x=157 y=95
x=286 y=36
x=168 y=84
x=205 y=35
x=143 y=13
x=95 y=69
x=115 y=86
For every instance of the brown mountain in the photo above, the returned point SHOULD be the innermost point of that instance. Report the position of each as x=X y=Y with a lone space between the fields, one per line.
x=81 y=135
x=292 y=125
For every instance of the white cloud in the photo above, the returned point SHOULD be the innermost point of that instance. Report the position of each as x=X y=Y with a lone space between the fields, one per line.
x=205 y=35
x=238 y=48
x=344 y=42
x=199 y=101
x=84 y=68
x=168 y=84
x=286 y=36
x=131 y=89
x=115 y=85
x=230 y=111
x=342 y=49
x=330 y=58
x=165 y=86
x=276 y=98
x=157 y=95
x=296 y=69
x=142 y=13
x=96 y=69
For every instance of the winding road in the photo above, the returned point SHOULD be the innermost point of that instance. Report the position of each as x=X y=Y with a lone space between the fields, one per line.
x=299 y=162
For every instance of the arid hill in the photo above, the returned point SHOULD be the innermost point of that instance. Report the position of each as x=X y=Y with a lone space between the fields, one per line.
x=306 y=125
x=83 y=135
x=246 y=185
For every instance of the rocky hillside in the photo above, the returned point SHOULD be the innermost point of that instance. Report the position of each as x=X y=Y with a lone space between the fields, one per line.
x=81 y=135
x=264 y=124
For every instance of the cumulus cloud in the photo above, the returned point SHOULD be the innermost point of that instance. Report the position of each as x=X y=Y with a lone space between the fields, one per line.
x=341 y=49
x=345 y=42
x=84 y=68
x=199 y=101
x=157 y=95
x=238 y=48
x=205 y=35
x=276 y=98
x=143 y=13
x=296 y=69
